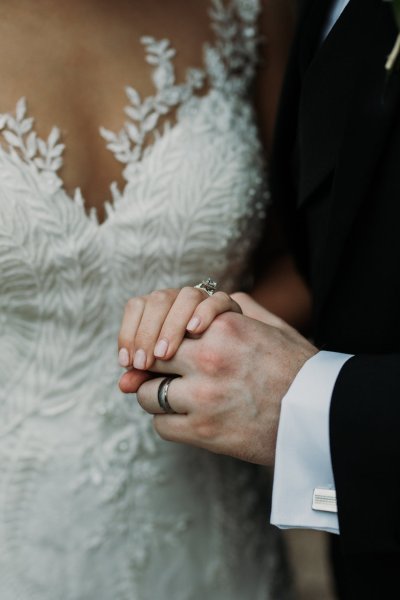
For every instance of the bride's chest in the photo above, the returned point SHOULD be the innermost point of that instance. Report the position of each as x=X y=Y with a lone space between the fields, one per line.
x=191 y=196
x=192 y=204
x=74 y=71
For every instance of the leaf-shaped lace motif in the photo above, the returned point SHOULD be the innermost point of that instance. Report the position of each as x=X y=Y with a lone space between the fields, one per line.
x=43 y=156
x=231 y=62
x=144 y=115
x=229 y=67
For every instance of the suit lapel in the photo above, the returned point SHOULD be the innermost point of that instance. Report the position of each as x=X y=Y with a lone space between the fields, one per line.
x=312 y=23
x=368 y=125
x=284 y=167
x=328 y=86
x=350 y=63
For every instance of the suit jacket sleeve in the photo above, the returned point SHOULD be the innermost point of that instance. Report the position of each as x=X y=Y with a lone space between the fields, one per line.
x=365 y=451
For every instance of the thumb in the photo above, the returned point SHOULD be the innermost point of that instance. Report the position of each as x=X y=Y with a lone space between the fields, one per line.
x=131 y=381
x=252 y=309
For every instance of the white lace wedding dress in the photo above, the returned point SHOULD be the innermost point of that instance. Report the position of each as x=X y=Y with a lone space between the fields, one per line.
x=93 y=506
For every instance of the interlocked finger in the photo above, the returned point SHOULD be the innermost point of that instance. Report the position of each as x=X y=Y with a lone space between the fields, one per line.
x=149 y=394
x=209 y=309
x=174 y=327
x=134 y=310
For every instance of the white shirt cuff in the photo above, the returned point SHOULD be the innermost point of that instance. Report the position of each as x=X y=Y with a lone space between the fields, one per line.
x=303 y=460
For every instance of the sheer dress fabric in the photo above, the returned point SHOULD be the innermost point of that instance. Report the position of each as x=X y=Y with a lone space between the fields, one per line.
x=92 y=503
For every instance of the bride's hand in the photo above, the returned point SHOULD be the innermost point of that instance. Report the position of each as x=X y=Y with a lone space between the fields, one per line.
x=154 y=326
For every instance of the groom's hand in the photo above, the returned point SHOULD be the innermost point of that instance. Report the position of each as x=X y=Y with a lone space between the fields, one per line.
x=232 y=382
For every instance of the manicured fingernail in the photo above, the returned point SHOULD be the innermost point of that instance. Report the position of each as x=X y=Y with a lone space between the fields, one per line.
x=161 y=348
x=140 y=359
x=123 y=357
x=193 y=324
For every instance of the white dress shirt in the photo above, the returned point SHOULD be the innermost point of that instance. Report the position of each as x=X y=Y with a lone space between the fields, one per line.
x=337 y=9
x=303 y=461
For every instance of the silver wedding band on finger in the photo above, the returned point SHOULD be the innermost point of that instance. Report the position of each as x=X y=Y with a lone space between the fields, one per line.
x=162 y=395
x=208 y=285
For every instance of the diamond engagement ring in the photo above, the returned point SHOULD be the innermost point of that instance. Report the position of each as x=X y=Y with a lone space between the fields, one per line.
x=208 y=285
x=162 y=395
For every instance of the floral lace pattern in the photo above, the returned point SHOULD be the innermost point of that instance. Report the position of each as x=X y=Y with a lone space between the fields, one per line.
x=85 y=485
x=43 y=156
x=145 y=115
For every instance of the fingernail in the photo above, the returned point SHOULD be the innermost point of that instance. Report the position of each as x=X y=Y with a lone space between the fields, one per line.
x=161 y=348
x=193 y=324
x=123 y=357
x=140 y=359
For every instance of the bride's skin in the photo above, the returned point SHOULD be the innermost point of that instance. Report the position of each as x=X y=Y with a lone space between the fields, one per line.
x=72 y=60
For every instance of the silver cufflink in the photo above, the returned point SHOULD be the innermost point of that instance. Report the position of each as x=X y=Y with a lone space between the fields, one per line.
x=324 y=499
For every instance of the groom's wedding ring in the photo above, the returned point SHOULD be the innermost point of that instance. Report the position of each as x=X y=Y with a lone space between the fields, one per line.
x=208 y=285
x=163 y=395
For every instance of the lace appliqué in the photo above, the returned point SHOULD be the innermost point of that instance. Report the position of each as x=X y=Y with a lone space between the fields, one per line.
x=120 y=471
x=128 y=144
x=232 y=61
x=229 y=67
x=43 y=157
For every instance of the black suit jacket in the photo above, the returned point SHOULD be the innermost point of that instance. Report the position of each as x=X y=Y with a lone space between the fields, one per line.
x=335 y=177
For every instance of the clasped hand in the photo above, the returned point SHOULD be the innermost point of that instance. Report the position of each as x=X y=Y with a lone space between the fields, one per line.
x=235 y=360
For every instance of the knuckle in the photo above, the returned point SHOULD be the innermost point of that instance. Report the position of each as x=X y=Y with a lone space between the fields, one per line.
x=210 y=361
x=192 y=294
x=206 y=396
x=204 y=428
x=135 y=303
x=223 y=297
x=226 y=325
x=161 y=297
